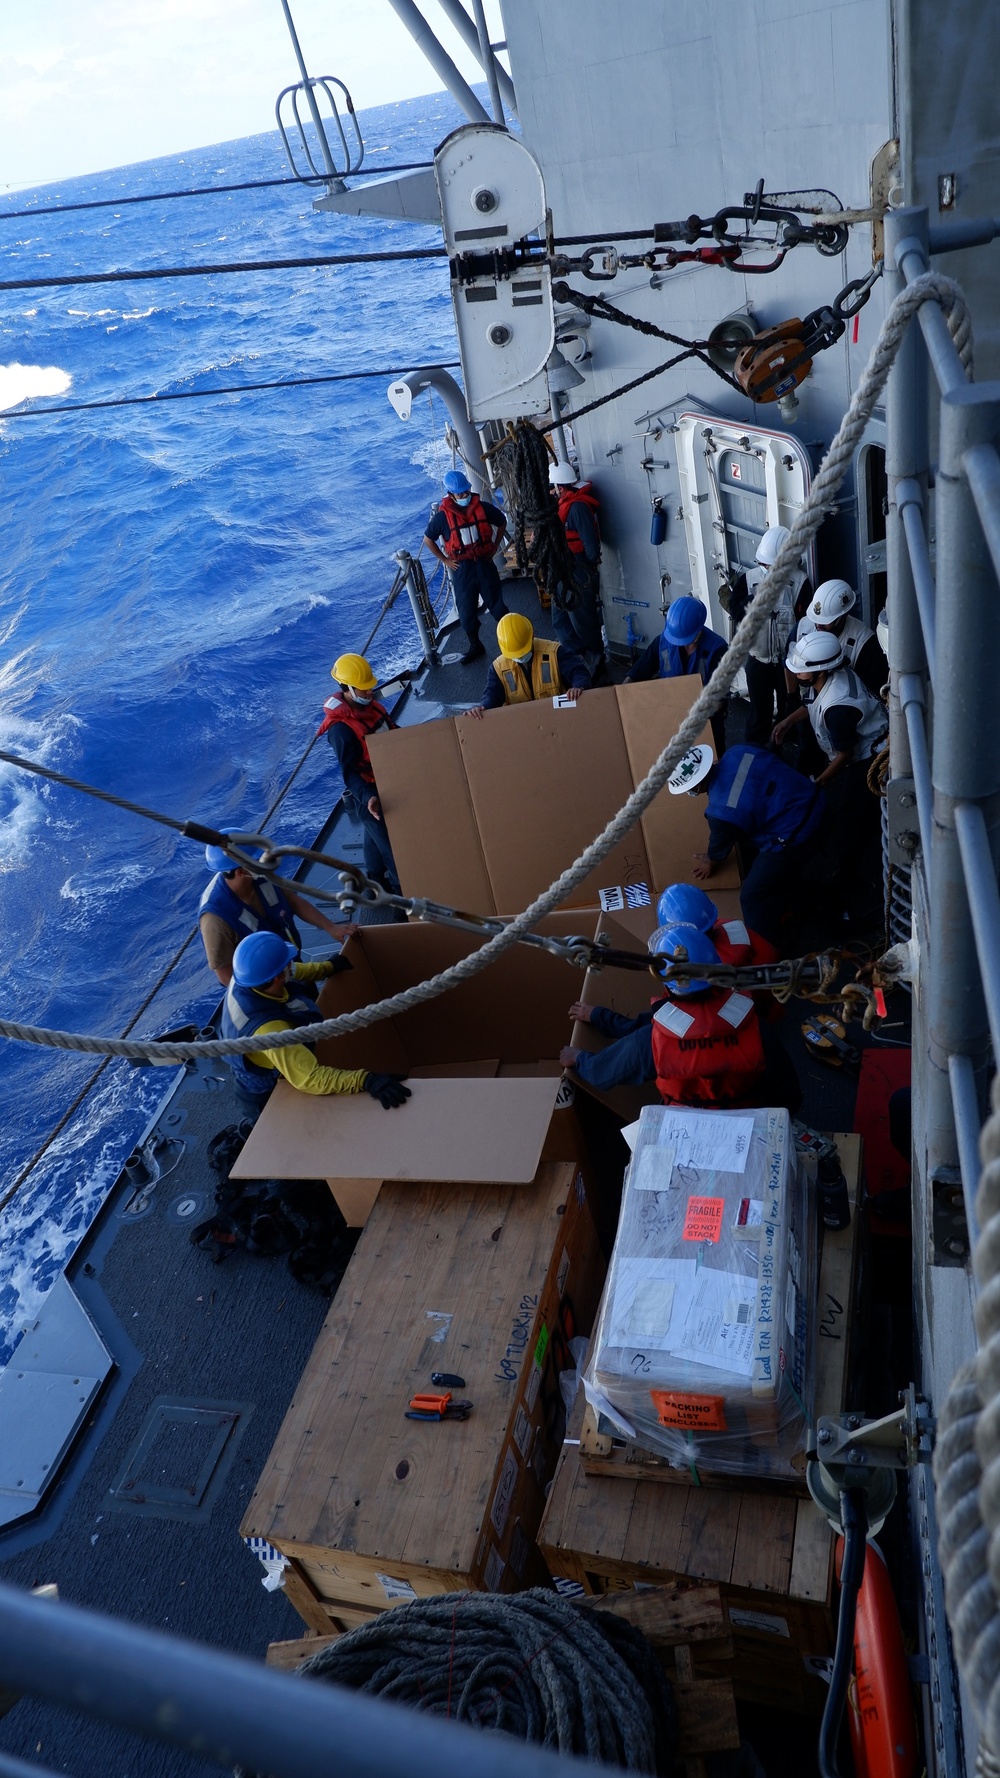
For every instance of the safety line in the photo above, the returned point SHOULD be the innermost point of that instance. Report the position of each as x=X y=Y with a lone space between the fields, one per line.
x=211 y=271
x=203 y=191
x=80 y=407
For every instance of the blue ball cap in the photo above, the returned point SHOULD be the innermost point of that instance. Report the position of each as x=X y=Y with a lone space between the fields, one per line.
x=672 y=941
x=260 y=957
x=684 y=905
x=457 y=483
x=684 y=622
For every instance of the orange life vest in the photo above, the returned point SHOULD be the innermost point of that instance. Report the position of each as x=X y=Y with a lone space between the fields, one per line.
x=470 y=537
x=707 y=1051
x=362 y=719
x=735 y=943
x=569 y=497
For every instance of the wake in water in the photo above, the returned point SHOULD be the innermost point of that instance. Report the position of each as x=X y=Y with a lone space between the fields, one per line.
x=23 y=382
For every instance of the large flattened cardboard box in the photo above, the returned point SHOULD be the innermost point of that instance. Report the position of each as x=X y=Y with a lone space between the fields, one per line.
x=482 y=1062
x=486 y=814
x=371 y=1508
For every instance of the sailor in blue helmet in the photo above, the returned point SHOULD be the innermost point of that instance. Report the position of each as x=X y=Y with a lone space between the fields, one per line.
x=264 y=997
x=238 y=901
x=774 y=813
x=685 y=647
x=465 y=534
x=703 y=1044
x=735 y=941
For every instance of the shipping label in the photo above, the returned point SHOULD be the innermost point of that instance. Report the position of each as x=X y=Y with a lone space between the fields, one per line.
x=703 y=1219
x=689 y=1413
x=500 y=1509
x=493 y=1572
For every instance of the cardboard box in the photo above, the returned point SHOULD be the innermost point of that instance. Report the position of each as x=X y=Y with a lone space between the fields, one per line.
x=486 y=814
x=372 y=1508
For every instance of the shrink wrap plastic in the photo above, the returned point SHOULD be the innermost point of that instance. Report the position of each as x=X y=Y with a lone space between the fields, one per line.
x=704 y=1349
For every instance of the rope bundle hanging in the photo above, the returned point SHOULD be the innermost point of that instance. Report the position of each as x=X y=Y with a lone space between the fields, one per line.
x=524 y=459
x=533 y=1665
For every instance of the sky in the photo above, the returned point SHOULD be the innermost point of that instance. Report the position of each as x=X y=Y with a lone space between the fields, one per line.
x=91 y=84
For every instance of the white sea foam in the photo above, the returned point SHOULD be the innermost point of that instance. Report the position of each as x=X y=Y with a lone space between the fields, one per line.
x=21 y=382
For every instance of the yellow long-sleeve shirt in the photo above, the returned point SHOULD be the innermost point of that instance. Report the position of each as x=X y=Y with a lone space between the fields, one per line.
x=294 y=1061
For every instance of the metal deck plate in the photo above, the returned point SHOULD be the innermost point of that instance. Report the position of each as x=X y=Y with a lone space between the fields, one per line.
x=180 y=1457
x=39 y=1412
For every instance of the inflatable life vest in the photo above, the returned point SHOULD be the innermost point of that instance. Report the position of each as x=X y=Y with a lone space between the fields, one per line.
x=568 y=498
x=244 y=1011
x=845 y=688
x=675 y=664
x=879 y=1706
x=471 y=537
x=854 y=636
x=277 y=917
x=362 y=720
x=771 y=646
x=546 y=681
x=707 y=1051
x=772 y=804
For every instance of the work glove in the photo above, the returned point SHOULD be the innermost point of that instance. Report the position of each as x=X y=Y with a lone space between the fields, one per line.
x=335 y=966
x=388 y=1089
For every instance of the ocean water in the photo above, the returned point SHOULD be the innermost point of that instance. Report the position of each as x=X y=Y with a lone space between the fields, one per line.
x=175 y=582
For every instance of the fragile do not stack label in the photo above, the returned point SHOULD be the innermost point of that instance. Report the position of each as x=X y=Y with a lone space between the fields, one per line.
x=703 y=1219
x=689 y=1413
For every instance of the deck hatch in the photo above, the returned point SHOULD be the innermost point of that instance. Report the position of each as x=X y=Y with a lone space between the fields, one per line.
x=178 y=1461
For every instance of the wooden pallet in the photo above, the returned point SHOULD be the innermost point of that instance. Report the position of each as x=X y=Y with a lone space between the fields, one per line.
x=604 y=1453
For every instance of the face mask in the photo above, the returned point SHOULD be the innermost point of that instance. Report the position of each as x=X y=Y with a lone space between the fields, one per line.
x=524 y=660
x=461 y=499
x=361 y=697
x=808 y=694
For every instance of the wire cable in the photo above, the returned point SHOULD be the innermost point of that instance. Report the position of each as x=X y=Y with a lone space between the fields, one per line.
x=204 y=191
x=854 y=1518
x=81 y=407
x=212 y=271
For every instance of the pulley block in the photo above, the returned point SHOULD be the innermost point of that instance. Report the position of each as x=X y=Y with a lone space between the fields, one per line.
x=774 y=362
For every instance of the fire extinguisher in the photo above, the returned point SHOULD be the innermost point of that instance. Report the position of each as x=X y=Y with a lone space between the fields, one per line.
x=658 y=527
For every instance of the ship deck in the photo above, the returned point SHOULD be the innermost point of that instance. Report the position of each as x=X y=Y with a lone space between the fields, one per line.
x=143 y=1523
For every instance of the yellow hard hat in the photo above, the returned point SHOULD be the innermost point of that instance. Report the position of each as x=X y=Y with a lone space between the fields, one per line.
x=353 y=670
x=515 y=635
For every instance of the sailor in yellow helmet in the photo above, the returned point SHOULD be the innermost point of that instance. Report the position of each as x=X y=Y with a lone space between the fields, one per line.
x=353 y=714
x=528 y=668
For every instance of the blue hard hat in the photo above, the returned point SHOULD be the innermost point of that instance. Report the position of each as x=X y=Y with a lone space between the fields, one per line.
x=685 y=620
x=260 y=957
x=670 y=940
x=684 y=905
x=217 y=859
x=457 y=483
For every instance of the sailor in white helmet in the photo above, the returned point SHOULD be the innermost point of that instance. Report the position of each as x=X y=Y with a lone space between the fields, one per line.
x=830 y=609
x=767 y=686
x=848 y=723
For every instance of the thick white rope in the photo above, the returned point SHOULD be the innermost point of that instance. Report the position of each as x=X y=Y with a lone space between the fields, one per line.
x=932 y=287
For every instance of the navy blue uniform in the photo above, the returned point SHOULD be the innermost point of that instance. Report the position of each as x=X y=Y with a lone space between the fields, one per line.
x=757 y=799
x=572 y=672
x=473 y=580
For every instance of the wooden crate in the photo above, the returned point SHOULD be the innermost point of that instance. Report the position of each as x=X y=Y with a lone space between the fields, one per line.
x=610 y=1523
x=602 y=1452
x=371 y=1508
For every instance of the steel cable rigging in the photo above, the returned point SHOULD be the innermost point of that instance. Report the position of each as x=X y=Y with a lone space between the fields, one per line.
x=80 y=407
x=204 y=191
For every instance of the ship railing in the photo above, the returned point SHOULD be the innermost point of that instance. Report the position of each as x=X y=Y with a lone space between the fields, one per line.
x=944 y=640
x=428 y=617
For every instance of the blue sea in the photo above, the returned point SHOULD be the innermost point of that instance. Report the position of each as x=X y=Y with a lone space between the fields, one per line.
x=175 y=582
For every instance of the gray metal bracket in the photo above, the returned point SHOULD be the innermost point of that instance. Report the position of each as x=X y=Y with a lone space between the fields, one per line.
x=904 y=826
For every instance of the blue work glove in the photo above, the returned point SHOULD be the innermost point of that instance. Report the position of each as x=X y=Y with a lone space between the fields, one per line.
x=388 y=1089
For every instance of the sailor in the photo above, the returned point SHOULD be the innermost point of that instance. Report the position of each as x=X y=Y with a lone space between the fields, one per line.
x=265 y=996
x=240 y=901
x=579 y=623
x=686 y=646
x=775 y=814
x=704 y=1046
x=470 y=532
x=829 y=611
x=353 y=714
x=528 y=668
x=735 y=941
x=849 y=725
x=767 y=687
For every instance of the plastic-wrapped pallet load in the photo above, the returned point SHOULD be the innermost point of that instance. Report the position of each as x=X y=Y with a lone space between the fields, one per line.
x=704 y=1349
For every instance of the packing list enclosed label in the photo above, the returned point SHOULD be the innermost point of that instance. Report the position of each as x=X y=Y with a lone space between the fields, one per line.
x=689 y=1413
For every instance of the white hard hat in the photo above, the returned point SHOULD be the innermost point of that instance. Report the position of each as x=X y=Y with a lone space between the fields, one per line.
x=830 y=601
x=689 y=771
x=771 y=542
x=819 y=652
x=562 y=475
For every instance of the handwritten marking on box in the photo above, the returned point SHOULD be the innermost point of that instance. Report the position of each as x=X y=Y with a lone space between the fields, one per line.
x=690 y=1413
x=703 y=1219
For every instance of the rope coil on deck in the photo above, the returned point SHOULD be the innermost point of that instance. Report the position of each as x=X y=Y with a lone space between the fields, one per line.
x=534 y=1665
x=931 y=287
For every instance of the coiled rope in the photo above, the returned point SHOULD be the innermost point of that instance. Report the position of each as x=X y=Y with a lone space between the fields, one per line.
x=523 y=458
x=533 y=1665
x=967 y=1465
x=931 y=287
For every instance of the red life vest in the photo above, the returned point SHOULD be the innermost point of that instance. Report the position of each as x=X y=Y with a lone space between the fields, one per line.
x=735 y=943
x=707 y=1051
x=569 y=497
x=470 y=537
x=362 y=719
